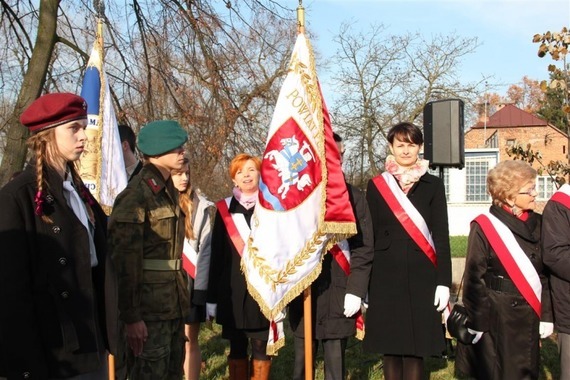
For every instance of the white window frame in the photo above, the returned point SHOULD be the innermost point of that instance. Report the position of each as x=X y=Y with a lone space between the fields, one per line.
x=481 y=197
x=545 y=186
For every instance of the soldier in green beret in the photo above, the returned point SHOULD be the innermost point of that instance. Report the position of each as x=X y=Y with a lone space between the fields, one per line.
x=146 y=237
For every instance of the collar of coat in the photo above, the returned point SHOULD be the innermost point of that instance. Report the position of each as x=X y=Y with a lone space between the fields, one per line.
x=427 y=178
x=153 y=178
x=53 y=182
x=526 y=230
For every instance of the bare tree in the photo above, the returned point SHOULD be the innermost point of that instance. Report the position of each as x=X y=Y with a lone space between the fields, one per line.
x=215 y=68
x=383 y=79
x=33 y=79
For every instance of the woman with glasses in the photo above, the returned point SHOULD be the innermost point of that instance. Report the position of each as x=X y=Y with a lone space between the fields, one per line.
x=506 y=291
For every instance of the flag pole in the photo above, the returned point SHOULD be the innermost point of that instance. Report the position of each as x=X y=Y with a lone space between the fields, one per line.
x=307 y=312
x=308 y=333
x=100 y=9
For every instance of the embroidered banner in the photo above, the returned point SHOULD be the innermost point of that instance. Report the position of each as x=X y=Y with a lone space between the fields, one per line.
x=303 y=207
x=102 y=168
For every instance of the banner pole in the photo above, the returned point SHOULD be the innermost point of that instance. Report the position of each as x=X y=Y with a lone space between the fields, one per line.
x=307 y=318
x=100 y=8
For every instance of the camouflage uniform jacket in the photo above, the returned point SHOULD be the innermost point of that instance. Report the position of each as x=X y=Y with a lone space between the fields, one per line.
x=147 y=225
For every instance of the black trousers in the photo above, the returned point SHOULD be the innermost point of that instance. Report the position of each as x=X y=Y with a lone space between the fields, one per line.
x=333 y=352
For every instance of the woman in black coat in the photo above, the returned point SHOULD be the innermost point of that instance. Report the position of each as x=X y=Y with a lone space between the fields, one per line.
x=57 y=294
x=228 y=299
x=505 y=326
x=410 y=280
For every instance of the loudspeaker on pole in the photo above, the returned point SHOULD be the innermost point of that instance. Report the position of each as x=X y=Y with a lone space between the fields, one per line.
x=444 y=143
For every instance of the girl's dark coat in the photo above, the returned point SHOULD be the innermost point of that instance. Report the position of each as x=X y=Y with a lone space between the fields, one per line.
x=58 y=314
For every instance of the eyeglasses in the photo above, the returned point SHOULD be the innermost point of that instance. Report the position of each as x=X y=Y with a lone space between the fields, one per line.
x=529 y=191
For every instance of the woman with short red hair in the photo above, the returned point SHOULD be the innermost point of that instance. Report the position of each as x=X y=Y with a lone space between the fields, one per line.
x=229 y=302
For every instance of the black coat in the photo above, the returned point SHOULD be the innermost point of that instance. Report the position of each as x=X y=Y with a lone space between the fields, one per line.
x=556 y=256
x=329 y=289
x=401 y=318
x=227 y=286
x=58 y=313
x=509 y=348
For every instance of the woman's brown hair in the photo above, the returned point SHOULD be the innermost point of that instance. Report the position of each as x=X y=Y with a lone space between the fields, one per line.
x=185 y=201
x=407 y=132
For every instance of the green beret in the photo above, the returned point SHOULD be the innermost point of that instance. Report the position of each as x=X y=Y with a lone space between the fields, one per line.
x=159 y=137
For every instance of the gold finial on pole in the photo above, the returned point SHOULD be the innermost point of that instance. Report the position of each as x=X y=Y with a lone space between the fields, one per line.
x=300 y=18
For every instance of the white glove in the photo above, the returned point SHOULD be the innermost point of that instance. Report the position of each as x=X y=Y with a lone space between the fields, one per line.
x=211 y=311
x=478 y=335
x=441 y=298
x=351 y=305
x=545 y=329
x=280 y=317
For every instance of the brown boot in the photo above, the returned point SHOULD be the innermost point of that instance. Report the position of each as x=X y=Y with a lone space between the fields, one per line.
x=238 y=369
x=260 y=369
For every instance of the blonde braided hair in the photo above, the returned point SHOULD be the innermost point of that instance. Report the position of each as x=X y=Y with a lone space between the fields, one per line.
x=42 y=144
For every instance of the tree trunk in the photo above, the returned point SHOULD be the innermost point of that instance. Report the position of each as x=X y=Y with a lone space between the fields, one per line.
x=34 y=79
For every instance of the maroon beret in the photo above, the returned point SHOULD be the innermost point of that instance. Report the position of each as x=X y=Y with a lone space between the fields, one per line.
x=51 y=110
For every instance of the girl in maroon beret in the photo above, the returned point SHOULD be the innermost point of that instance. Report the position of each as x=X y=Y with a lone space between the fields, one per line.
x=58 y=292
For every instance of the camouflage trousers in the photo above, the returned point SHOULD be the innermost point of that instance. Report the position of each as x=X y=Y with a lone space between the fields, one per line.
x=163 y=352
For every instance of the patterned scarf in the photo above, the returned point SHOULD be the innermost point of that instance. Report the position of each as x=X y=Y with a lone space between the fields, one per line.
x=406 y=177
x=247 y=201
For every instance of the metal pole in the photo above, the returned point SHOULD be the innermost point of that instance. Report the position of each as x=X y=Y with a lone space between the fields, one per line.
x=308 y=330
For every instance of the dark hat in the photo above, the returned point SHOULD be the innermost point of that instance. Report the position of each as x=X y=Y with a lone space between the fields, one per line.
x=159 y=137
x=51 y=110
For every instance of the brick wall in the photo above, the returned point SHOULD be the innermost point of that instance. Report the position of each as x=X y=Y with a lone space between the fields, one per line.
x=551 y=143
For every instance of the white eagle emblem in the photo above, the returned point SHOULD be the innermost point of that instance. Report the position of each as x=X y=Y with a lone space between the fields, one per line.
x=289 y=162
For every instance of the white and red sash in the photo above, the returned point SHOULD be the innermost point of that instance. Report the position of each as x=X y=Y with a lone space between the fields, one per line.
x=341 y=253
x=408 y=216
x=512 y=257
x=562 y=196
x=238 y=231
x=189 y=259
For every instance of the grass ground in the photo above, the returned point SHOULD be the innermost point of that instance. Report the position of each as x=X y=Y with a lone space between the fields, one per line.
x=360 y=366
x=458 y=245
